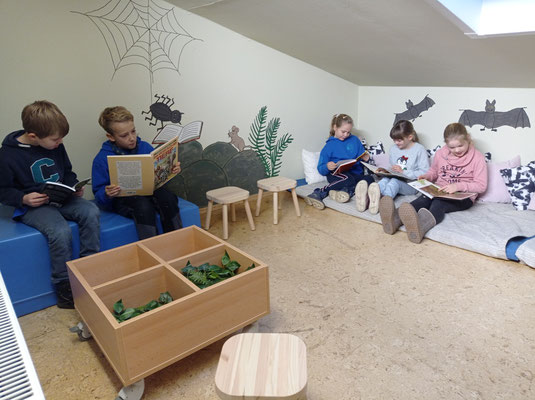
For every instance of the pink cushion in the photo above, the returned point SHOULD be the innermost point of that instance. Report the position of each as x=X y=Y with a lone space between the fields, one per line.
x=382 y=160
x=496 y=189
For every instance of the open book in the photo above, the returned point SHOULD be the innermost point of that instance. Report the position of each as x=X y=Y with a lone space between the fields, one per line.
x=386 y=172
x=431 y=190
x=345 y=165
x=141 y=174
x=186 y=133
x=59 y=193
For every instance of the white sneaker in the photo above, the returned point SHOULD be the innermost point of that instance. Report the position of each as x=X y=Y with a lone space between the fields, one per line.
x=340 y=196
x=374 y=193
x=361 y=196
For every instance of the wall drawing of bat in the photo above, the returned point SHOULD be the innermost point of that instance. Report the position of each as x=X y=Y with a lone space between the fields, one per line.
x=492 y=119
x=414 y=111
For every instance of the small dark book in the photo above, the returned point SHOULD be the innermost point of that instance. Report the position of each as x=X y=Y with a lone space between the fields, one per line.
x=59 y=193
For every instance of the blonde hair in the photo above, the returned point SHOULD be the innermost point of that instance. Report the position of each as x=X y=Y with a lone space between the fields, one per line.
x=44 y=119
x=338 y=120
x=114 y=114
x=455 y=130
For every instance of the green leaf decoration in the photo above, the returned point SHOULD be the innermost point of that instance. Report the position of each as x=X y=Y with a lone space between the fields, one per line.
x=233 y=265
x=204 y=267
x=165 y=298
x=264 y=142
x=188 y=268
x=250 y=267
x=206 y=275
x=225 y=259
x=198 y=277
x=121 y=314
x=118 y=307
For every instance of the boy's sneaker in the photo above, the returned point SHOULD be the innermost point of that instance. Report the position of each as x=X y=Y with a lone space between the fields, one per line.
x=374 y=193
x=64 y=295
x=315 y=199
x=340 y=196
x=361 y=196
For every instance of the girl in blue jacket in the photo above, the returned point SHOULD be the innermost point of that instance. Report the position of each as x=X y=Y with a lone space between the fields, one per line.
x=118 y=123
x=340 y=145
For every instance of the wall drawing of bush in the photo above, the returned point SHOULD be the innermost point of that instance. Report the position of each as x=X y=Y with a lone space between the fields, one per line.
x=220 y=164
x=264 y=141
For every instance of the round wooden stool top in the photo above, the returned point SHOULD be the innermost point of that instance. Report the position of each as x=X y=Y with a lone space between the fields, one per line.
x=262 y=366
x=227 y=195
x=276 y=184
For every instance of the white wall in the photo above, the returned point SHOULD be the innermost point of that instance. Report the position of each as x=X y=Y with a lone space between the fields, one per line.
x=377 y=106
x=48 y=52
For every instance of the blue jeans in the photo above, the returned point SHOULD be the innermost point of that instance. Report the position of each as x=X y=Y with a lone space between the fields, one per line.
x=51 y=222
x=392 y=187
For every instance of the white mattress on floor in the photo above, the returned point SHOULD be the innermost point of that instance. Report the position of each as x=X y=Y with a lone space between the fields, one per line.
x=485 y=228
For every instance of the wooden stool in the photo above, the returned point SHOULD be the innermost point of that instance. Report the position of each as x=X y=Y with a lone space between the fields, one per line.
x=262 y=366
x=225 y=196
x=276 y=184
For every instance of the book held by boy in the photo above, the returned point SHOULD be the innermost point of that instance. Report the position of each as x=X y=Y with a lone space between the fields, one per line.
x=186 y=133
x=142 y=174
x=385 y=172
x=431 y=190
x=345 y=165
x=59 y=193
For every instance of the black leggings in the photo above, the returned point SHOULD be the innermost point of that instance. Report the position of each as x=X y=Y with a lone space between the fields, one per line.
x=440 y=207
x=143 y=210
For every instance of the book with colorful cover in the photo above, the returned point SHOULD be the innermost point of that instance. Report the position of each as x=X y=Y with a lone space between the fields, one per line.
x=431 y=190
x=386 y=172
x=142 y=174
x=345 y=165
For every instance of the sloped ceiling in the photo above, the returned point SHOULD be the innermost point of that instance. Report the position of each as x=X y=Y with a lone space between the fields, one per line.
x=377 y=42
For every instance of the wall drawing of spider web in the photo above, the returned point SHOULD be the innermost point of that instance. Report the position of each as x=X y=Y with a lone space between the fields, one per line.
x=142 y=33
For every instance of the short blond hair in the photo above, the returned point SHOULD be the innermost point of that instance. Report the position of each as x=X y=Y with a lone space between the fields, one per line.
x=44 y=119
x=114 y=114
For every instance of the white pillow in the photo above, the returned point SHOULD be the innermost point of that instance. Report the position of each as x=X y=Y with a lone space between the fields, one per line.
x=310 y=166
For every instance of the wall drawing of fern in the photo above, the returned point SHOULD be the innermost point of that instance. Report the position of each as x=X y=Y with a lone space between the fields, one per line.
x=264 y=142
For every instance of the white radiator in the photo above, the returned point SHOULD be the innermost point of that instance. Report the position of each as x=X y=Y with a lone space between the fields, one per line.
x=18 y=379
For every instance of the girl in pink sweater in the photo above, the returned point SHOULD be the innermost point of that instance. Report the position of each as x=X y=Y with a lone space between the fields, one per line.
x=457 y=167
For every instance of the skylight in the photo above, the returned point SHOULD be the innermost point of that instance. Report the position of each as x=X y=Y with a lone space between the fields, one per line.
x=482 y=18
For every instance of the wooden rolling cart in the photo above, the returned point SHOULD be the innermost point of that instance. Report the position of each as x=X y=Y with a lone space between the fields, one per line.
x=138 y=273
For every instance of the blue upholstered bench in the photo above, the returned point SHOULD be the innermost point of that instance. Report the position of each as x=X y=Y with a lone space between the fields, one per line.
x=25 y=261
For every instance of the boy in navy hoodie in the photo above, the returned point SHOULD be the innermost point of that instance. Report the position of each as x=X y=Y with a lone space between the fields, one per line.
x=118 y=123
x=31 y=157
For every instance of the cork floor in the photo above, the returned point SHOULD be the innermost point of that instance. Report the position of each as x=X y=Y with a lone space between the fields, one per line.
x=382 y=318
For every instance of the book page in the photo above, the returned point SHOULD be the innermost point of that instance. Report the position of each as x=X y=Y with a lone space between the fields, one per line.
x=167 y=133
x=186 y=133
x=133 y=173
x=129 y=175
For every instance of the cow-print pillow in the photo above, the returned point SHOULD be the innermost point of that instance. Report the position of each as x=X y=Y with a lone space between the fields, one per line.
x=488 y=157
x=431 y=152
x=520 y=183
x=375 y=149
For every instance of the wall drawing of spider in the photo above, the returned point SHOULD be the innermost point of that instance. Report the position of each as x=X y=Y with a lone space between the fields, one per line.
x=161 y=111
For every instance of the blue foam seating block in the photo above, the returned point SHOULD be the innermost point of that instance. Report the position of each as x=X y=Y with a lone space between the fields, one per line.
x=301 y=182
x=25 y=261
